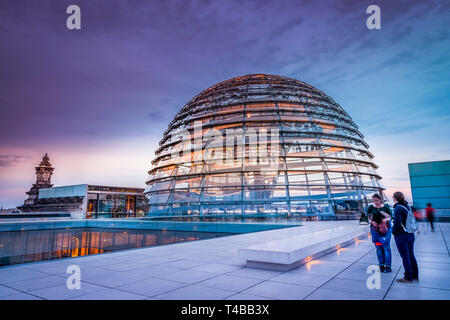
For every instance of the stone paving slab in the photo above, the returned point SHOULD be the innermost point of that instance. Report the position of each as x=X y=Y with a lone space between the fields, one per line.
x=280 y=290
x=211 y=269
x=196 y=292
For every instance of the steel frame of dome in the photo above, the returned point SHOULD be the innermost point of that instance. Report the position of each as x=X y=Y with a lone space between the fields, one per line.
x=324 y=168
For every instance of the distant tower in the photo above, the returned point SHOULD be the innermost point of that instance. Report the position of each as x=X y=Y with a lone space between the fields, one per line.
x=43 y=175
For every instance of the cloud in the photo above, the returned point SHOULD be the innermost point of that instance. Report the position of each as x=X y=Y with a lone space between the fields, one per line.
x=286 y=27
x=12 y=160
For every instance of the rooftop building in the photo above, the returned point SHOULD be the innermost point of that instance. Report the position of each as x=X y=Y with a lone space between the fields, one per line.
x=81 y=201
x=430 y=183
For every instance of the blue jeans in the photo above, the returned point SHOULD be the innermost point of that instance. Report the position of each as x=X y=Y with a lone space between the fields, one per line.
x=405 y=246
x=384 y=253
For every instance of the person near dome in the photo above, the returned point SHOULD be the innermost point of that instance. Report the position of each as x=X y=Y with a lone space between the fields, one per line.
x=380 y=215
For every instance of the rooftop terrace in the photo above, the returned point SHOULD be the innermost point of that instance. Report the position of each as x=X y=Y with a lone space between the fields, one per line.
x=212 y=269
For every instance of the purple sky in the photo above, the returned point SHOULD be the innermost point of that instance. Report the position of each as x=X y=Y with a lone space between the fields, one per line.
x=98 y=99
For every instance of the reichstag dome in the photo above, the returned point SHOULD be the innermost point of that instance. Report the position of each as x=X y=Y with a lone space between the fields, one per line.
x=262 y=145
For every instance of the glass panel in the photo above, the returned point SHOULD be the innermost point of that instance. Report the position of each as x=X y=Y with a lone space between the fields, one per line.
x=111 y=203
x=186 y=195
x=221 y=194
x=317 y=178
x=182 y=209
x=164 y=185
x=161 y=209
x=222 y=209
x=296 y=177
x=300 y=207
x=265 y=178
x=226 y=179
x=298 y=191
x=265 y=193
x=321 y=208
x=159 y=197
x=192 y=183
x=336 y=178
x=275 y=208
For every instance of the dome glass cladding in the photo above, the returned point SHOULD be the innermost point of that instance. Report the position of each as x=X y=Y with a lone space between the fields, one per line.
x=262 y=145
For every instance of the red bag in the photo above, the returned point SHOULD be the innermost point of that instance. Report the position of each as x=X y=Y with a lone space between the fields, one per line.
x=382 y=228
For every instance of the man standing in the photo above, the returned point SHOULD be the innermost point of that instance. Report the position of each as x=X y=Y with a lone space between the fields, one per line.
x=430 y=215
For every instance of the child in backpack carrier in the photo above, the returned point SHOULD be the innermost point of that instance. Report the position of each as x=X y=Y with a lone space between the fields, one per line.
x=380 y=216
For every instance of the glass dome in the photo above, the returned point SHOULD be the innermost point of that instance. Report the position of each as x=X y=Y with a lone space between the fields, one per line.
x=262 y=145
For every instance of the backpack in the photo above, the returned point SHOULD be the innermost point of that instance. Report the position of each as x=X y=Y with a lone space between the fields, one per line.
x=411 y=223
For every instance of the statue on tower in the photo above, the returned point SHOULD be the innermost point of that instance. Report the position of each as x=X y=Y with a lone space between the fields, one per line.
x=43 y=175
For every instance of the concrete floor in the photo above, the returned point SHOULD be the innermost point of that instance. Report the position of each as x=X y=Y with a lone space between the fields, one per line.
x=211 y=270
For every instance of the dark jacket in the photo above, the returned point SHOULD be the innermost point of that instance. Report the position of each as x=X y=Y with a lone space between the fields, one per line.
x=400 y=215
x=375 y=215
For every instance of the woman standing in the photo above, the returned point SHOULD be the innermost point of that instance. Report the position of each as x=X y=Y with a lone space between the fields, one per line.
x=380 y=228
x=403 y=239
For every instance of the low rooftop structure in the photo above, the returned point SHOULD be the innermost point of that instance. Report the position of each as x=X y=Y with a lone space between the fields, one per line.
x=91 y=201
x=82 y=200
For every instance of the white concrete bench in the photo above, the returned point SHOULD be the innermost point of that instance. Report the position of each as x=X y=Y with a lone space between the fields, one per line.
x=285 y=254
